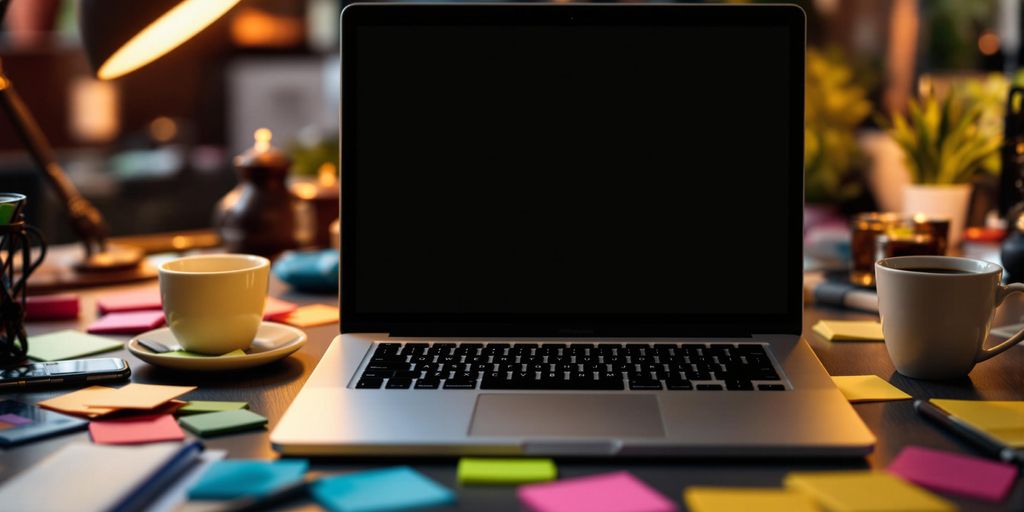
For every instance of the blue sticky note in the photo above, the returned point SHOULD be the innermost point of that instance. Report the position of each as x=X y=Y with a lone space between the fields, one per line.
x=230 y=479
x=399 y=488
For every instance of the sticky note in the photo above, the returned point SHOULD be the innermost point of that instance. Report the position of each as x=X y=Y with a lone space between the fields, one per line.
x=137 y=396
x=275 y=308
x=505 y=471
x=396 y=488
x=136 y=430
x=952 y=473
x=62 y=306
x=133 y=322
x=609 y=492
x=867 y=388
x=185 y=353
x=312 y=315
x=77 y=402
x=231 y=479
x=202 y=406
x=14 y=419
x=60 y=345
x=216 y=423
x=140 y=300
x=1003 y=420
x=732 y=499
x=849 y=330
x=865 y=491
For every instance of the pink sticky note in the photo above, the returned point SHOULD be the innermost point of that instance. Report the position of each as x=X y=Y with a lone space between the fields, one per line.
x=136 y=430
x=134 y=322
x=608 y=492
x=143 y=300
x=956 y=474
x=51 y=307
x=277 y=308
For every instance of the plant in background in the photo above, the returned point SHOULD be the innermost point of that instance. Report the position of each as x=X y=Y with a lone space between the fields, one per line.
x=835 y=106
x=948 y=139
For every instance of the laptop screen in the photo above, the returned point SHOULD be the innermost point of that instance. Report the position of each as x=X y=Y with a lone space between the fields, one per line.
x=583 y=173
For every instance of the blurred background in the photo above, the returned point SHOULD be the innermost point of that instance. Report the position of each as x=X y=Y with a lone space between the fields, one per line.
x=905 y=99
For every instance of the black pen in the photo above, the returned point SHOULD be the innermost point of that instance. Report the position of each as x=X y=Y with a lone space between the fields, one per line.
x=981 y=439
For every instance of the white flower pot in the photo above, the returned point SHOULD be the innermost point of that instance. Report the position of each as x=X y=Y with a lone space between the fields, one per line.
x=942 y=201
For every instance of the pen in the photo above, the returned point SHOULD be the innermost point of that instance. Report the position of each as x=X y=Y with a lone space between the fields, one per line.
x=981 y=439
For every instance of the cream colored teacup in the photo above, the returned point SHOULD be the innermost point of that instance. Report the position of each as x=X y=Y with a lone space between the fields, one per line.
x=214 y=303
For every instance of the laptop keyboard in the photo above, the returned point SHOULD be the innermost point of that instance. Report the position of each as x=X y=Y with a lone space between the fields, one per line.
x=575 y=366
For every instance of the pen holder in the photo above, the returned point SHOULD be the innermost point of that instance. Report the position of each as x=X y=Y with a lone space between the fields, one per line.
x=16 y=265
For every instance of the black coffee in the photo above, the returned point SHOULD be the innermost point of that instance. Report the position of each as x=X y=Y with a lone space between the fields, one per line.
x=930 y=270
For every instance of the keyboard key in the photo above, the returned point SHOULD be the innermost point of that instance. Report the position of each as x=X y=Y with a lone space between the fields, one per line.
x=709 y=387
x=771 y=387
x=369 y=383
x=459 y=384
x=738 y=385
x=378 y=374
x=427 y=384
x=398 y=383
x=644 y=384
x=675 y=384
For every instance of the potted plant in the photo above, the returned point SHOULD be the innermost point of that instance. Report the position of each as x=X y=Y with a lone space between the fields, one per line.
x=946 y=141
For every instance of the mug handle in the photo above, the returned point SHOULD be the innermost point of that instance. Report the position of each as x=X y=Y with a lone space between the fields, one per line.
x=1002 y=293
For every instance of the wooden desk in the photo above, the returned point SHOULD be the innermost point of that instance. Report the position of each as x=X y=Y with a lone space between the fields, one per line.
x=270 y=389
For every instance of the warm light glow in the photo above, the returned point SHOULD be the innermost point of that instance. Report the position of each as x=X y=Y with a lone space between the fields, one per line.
x=254 y=27
x=304 y=190
x=163 y=129
x=988 y=43
x=920 y=218
x=327 y=175
x=163 y=35
x=262 y=136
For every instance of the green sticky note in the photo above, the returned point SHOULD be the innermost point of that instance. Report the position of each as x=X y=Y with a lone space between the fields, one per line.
x=505 y=471
x=185 y=353
x=202 y=406
x=60 y=345
x=216 y=423
x=6 y=213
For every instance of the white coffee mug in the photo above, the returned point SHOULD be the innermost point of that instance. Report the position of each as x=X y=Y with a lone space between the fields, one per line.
x=936 y=313
x=214 y=303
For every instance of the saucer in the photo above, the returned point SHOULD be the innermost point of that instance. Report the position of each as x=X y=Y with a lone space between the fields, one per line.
x=273 y=341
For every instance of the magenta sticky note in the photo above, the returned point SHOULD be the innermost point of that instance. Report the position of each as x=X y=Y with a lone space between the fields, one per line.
x=14 y=419
x=277 y=308
x=51 y=307
x=143 y=300
x=134 y=322
x=952 y=473
x=608 y=492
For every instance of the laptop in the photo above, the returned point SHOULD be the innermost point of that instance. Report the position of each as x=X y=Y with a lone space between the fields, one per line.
x=571 y=230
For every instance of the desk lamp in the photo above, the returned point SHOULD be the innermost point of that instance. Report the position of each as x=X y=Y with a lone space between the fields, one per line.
x=119 y=36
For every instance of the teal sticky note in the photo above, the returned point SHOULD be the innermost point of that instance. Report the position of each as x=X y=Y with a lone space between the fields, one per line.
x=398 y=488
x=230 y=479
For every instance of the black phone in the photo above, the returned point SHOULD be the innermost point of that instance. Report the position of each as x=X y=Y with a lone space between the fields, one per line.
x=64 y=373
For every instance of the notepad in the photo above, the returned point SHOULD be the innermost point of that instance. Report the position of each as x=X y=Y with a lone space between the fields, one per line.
x=137 y=396
x=476 y=471
x=231 y=479
x=733 y=499
x=185 y=353
x=609 y=492
x=312 y=315
x=849 y=330
x=379 y=490
x=204 y=406
x=136 y=430
x=51 y=307
x=953 y=473
x=224 y=422
x=1003 y=420
x=133 y=322
x=865 y=491
x=139 y=300
x=867 y=388
x=77 y=402
x=61 y=345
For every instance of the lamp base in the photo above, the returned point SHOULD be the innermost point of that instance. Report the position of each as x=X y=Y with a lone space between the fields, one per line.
x=116 y=258
x=63 y=270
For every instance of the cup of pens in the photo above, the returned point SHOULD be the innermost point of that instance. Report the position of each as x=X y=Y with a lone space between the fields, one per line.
x=17 y=240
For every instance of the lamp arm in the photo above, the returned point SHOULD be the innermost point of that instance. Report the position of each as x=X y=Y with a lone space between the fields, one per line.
x=86 y=220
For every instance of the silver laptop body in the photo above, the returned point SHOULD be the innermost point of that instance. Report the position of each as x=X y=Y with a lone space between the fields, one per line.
x=578 y=355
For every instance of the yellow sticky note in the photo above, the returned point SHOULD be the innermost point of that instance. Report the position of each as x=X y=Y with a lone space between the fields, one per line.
x=730 y=499
x=1003 y=420
x=868 y=388
x=849 y=330
x=865 y=491
x=137 y=396
x=505 y=471
x=77 y=402
x=312 y=315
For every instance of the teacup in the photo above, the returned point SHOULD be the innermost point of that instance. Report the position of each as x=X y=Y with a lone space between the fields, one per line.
x=214 y=303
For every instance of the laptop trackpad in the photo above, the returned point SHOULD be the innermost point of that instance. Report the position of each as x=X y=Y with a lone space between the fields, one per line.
x=566 y=415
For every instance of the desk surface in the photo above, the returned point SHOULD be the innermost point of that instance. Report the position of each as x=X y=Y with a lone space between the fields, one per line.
x=270 y=389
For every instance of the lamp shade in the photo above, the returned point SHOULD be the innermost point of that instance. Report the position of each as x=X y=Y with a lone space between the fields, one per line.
x=120 y=36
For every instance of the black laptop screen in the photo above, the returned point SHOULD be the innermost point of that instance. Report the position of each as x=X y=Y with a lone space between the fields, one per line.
x=556 y=178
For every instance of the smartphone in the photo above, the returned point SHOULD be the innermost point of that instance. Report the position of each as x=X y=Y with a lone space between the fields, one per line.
x=64 y=373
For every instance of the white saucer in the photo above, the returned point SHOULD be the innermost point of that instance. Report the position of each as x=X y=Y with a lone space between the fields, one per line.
x=273 y=341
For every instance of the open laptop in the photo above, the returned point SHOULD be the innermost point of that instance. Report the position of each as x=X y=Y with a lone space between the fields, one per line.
x=571 y=230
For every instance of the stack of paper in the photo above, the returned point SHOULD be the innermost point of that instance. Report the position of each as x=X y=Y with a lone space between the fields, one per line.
x=223 y=422
x=849 y=330
x=1003 y=420
x=953 y=473
x=98 y=401
x=867 y=388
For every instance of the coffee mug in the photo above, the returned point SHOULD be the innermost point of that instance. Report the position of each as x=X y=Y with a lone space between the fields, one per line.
x=936 y=313
x=214 y=303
